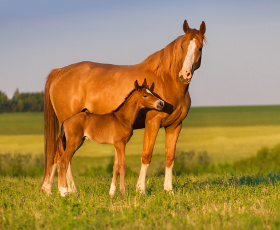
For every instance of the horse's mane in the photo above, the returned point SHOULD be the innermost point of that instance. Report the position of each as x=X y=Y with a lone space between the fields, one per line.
x=169 y=59
x=166 y=60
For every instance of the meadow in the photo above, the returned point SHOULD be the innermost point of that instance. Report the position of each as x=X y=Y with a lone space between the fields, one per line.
x=224 y=178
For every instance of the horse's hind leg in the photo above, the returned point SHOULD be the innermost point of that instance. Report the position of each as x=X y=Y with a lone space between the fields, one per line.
x=47 y=185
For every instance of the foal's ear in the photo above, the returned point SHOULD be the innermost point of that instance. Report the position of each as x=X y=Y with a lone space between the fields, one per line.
x=202 y=29
x=186 y=26
x=144 y=85
x=137 y=87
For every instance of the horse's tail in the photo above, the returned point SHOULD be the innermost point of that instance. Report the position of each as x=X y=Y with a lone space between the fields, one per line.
x=50 y=124
x=63 y=137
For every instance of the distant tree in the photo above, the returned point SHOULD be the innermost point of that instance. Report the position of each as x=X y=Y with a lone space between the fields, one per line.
x=4 y=102
x=22 y=102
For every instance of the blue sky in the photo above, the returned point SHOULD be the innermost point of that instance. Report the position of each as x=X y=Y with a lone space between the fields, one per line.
x=240 y=64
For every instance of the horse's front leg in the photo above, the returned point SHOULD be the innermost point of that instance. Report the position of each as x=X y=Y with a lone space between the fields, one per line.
x=150 y=134
x=171 y=136
x=115 y=175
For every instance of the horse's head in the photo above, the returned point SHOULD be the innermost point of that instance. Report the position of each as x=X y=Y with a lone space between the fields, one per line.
x=147 y=98
x=191 y=47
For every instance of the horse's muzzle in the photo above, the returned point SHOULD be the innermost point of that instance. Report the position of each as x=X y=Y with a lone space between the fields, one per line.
x=160 y=105
x=185 y=81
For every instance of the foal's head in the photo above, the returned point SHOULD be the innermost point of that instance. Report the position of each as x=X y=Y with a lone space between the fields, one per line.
x=146 y=98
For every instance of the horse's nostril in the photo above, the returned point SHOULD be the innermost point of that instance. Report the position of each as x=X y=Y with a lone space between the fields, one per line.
x=161 y=103
x=188 y=74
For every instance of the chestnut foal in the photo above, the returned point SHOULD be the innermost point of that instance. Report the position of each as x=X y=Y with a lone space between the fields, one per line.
x=112 y=128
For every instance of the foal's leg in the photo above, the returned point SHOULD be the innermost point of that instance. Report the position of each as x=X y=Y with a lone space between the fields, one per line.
x=63 y=164
x=171 y=136
x=70 y=180
x=120 y=148
x=151 y=131
x=115 y=175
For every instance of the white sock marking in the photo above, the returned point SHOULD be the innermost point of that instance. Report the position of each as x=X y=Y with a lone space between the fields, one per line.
x=142 y=177
x=168 y=178
x=112 y=189
x=70 y=180
x=63 y=191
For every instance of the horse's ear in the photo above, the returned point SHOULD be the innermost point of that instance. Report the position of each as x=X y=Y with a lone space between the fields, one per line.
x=137 y=87
x=202 y=29
x=144 y=85
x=186 y=26
x=152 y=87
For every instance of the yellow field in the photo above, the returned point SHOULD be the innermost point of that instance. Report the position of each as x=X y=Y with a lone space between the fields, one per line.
x=223 y=144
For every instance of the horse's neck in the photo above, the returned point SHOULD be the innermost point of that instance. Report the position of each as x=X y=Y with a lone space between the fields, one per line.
x=128 y=112
x=165 y=62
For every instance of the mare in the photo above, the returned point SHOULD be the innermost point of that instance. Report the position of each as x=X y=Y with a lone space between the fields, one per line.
x=112 y=128
x=102 y=87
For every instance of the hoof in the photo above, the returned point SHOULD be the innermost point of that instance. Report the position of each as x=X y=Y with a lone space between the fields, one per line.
x=46 y=188
x=112 y=190
x=140 y=189
x=169 y=191
x=63 y=191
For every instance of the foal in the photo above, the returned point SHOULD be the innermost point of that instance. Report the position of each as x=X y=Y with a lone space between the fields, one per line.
x=112 y=128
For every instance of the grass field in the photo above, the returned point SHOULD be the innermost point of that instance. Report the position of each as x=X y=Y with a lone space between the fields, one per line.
x=204 y=202
x=226 y=133
x=222 y=199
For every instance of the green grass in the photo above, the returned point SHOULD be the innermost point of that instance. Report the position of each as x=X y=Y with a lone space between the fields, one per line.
x=242 y=195
x=21 y=123
x=233 y=116
x=199 y=202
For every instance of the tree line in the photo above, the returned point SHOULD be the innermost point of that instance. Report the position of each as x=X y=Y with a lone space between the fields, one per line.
x=22 y=102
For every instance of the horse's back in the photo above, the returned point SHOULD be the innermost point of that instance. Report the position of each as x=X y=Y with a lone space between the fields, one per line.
x=98 y=87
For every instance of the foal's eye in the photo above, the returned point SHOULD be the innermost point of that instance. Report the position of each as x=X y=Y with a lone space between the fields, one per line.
x=145 y=95
x=200 y=49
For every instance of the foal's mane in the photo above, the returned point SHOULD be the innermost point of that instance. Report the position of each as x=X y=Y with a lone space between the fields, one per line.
x=126 y=98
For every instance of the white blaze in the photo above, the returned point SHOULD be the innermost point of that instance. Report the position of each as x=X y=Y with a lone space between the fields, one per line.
x=189 y=59
x=148 y=91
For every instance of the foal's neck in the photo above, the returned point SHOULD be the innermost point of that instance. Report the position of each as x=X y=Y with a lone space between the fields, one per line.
x=128 y=112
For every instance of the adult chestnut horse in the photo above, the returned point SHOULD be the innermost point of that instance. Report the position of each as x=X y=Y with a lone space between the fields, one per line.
x=101 y=88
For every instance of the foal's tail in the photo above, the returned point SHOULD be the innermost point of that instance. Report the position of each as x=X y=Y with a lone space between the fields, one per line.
x=50 y=125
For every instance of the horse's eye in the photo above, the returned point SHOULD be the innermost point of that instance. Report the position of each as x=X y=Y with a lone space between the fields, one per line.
x=200 y=49
x=145 y=95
